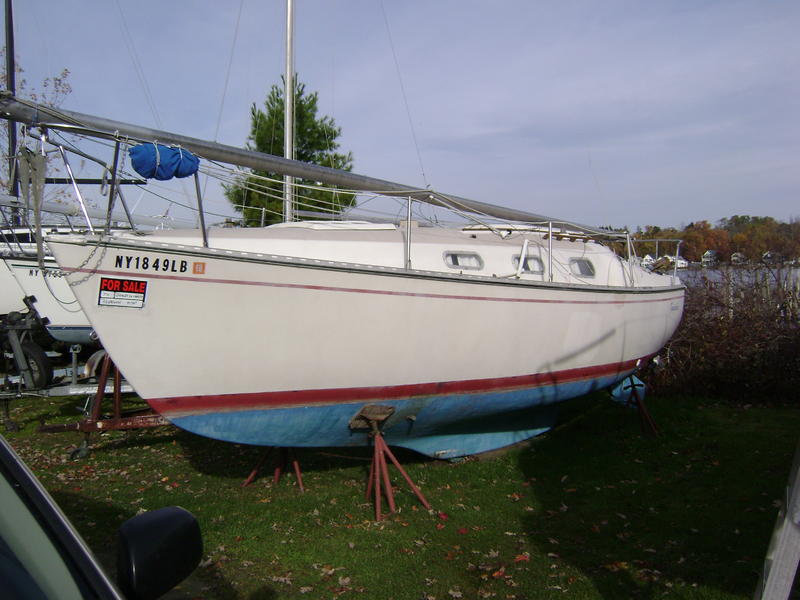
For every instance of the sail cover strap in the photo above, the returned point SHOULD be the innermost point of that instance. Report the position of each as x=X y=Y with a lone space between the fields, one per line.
x=163 y=162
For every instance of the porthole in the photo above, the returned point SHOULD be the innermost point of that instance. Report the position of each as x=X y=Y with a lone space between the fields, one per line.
x=463 y=260
x=582 y=267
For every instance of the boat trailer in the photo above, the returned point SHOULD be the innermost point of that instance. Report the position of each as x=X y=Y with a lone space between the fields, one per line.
x=96 y=421
x=33 y=376
x=30 y=361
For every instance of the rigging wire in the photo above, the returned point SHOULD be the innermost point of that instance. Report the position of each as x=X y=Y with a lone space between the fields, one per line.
x=228 y=72
x=137 y=65
x=227 y=80
x=403 y=93
x=140 y=73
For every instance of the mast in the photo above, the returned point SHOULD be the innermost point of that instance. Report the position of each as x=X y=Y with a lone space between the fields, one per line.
x=11 y=83
x=288 y=113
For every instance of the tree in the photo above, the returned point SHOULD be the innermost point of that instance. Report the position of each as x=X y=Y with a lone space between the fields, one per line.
x=259 y=195
x=52 y=91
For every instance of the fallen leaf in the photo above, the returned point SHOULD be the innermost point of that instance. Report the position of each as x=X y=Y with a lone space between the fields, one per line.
x=522 y=558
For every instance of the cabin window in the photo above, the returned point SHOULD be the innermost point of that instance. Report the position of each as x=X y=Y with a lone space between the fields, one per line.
x=531 y=264
x=582 y=267
x=463 y=260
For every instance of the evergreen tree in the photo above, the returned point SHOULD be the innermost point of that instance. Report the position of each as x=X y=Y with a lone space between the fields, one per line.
x=260 y=201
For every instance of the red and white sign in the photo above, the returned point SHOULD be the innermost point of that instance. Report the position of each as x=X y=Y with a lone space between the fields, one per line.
x=128 y=293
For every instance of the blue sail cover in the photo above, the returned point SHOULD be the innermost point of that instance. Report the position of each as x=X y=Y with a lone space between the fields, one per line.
x=163 y=162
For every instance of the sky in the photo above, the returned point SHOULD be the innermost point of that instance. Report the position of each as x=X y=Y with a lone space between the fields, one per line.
x=613 y=112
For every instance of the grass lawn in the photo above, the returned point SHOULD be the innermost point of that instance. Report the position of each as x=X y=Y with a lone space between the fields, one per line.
x=594 y=509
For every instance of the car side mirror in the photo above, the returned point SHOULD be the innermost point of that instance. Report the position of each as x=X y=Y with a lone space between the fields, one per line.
x=157 y=550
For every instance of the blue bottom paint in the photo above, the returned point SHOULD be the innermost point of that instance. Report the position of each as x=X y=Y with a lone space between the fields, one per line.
x=624 y=390
x=437 y=426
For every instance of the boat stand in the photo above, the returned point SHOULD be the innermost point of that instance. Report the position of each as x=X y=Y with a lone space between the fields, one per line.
x=280 y=467
x=96 y=422
x=372 y=417
x=630 y=392
x=648 y=424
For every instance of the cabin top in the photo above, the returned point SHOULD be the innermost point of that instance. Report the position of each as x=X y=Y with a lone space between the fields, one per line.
x=527 y=254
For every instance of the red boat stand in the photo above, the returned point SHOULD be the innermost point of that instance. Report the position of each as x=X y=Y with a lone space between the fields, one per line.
x=95 y=421
x=280 y=467
x=379 y=471
x=647 y=422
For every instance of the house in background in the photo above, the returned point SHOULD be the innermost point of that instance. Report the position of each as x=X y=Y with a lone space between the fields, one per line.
x=771 y=258
x=709 y=259
x=737 y=258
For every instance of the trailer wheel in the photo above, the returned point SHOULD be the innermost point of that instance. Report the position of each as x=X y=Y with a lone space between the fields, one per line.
x=38 y=363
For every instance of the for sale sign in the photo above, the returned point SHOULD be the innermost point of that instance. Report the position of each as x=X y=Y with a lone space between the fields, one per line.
x=129 y=293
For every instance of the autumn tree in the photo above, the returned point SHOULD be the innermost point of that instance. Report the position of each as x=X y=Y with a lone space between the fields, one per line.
x=51 y=92
x=695 y=237
x=753 y=236
x=790 y=236
x=749 y=235
x=654 y=232
x=259 y=195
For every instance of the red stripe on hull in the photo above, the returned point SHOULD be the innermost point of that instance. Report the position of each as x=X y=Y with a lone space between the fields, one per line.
x=267 y=400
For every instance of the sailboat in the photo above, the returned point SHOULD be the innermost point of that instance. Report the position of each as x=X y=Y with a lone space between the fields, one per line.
x=462 y=338
x=23 y=273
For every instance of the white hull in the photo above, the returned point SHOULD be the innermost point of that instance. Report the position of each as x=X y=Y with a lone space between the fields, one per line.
x=11 y=294
x=54 y=297
x=248 y=331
